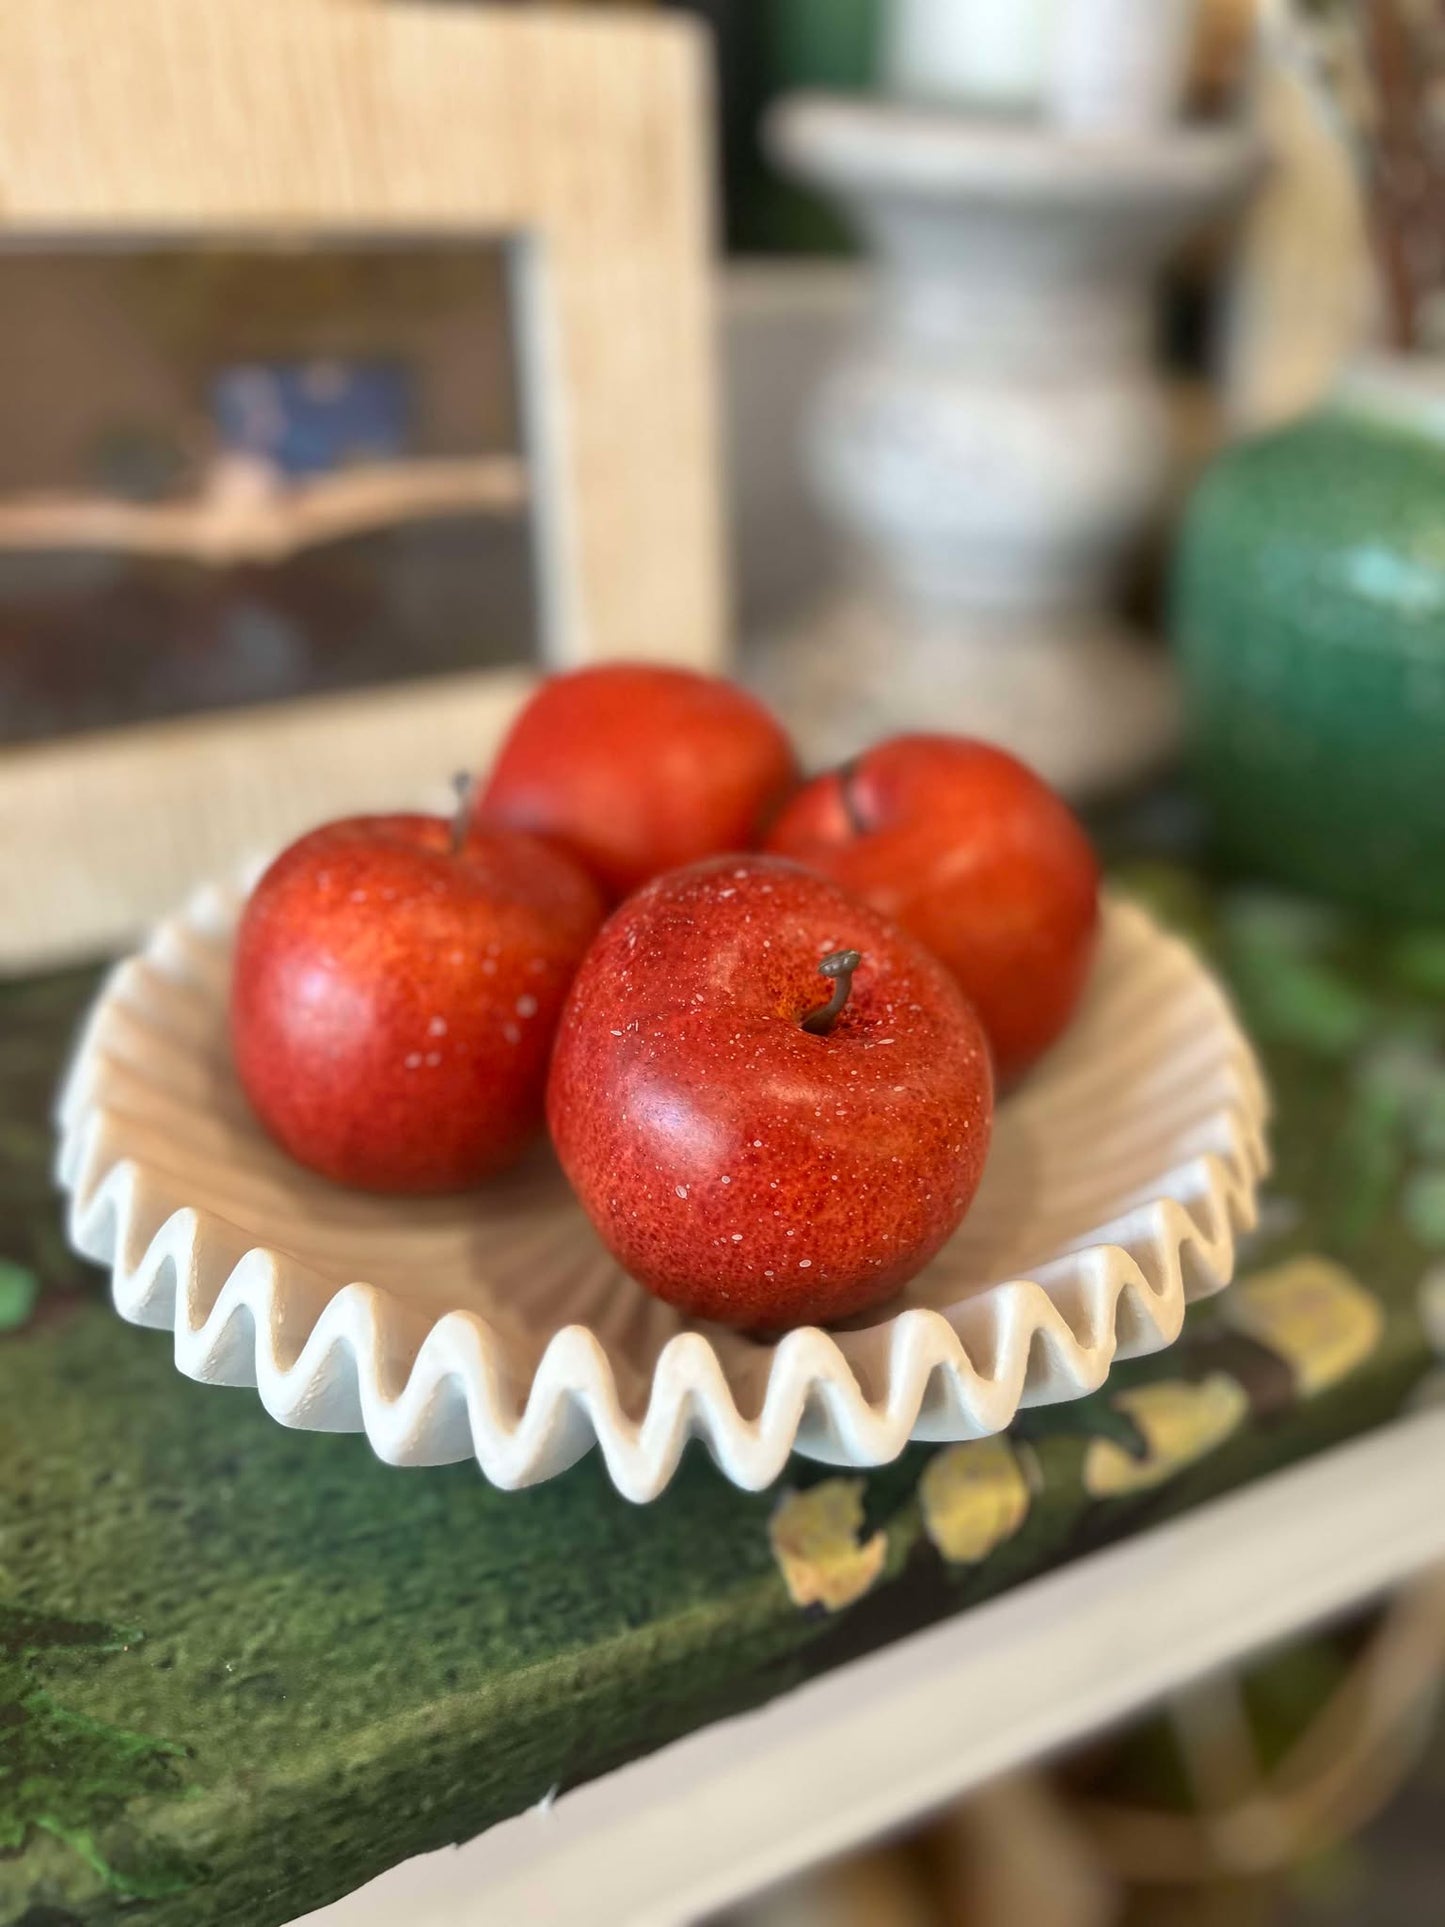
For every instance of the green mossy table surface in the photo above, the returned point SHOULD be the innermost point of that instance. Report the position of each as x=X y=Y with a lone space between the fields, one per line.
x=244 y=1669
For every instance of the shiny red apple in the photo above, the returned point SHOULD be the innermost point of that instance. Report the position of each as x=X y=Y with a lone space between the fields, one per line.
x=395 y=992
x=971 y=851
x=638 y=768
x=773 y=1104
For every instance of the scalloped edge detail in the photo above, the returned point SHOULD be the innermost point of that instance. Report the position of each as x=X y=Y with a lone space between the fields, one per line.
x=242 y=1315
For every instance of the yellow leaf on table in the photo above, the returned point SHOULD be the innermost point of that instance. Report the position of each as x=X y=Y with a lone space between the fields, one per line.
x=814 y=1536
x=974 y=1496
x=1180 y=1422
x=1313 y=1314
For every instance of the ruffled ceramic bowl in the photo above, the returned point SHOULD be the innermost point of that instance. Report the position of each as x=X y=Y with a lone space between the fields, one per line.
x=496 y=1325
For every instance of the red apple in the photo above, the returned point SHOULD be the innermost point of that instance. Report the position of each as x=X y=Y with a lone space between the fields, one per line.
x=395 y=993
x=977 y=856
x=739 y=1163
x=638 y=769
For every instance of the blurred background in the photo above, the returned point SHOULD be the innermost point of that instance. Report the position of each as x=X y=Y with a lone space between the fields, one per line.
x=1148 y=1828
x=159 y=376
x=1080 y=379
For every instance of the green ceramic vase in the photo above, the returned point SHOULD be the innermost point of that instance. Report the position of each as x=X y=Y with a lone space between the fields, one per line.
x=1309 y=617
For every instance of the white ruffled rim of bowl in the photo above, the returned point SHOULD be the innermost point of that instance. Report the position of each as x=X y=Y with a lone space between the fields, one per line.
x=496 y=1326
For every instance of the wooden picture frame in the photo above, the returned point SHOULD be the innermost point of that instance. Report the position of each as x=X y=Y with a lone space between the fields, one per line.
x=578 y=139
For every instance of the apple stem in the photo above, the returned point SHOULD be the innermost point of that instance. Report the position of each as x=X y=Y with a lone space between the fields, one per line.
x=839 y=965
x=464 y=783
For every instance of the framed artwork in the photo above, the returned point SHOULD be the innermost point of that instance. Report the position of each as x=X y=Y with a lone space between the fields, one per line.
x=578 y=141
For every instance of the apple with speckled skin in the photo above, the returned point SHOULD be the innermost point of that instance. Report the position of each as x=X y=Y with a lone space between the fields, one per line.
x=967 y=848
x=397 y=982
x=637 y=768
x=773 y=1104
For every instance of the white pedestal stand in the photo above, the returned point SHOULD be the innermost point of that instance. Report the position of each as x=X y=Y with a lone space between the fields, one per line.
x=994 y=443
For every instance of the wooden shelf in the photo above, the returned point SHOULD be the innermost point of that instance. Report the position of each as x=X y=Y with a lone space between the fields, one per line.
x=736 y=1806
